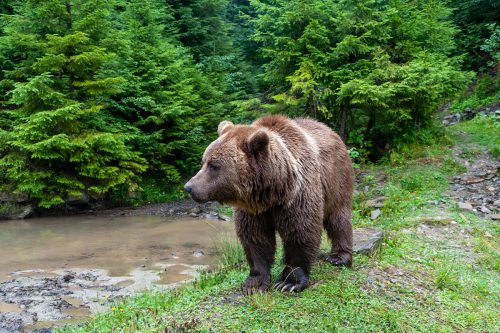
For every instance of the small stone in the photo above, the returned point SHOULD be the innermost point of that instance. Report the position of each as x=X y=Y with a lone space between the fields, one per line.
x=26 y=211
x=465 y=206
x=198 y=253
x=497 y=203
x=495 y=217
x=485 y=210
x=211 y=215
x=195 y=210
x=375 y=214
x=376 y=203
x=193 y=214
x=223 y=217
x=488 y=235
x=473 y=179
x=367 y=240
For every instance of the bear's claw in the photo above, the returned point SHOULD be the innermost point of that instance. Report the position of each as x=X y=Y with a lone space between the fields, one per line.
x=293 y=280
x=290 y=286
x=338 y=260
x=255 y=284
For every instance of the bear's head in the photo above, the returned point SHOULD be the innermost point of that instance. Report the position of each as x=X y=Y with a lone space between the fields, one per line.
x=232 y=166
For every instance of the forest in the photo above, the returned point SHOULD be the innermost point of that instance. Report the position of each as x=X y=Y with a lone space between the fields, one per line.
x=115 y=101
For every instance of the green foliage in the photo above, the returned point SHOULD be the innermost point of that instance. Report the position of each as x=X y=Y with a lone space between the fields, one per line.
x=61 y=142
x=93 y=93
x=485 y=91
x=166 y=97
x=479 y=32
x=481 y=130
x=378 y=67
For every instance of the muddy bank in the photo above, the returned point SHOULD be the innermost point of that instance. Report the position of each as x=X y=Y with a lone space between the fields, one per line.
x=178 y=208
x=31 y=302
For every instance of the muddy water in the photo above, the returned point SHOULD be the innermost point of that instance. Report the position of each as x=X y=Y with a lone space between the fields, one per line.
x=118 y=245
x=61 y=270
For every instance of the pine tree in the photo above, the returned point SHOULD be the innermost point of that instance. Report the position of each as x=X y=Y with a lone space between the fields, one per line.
x=62 y=143
x=378 y=68
x=165 y=97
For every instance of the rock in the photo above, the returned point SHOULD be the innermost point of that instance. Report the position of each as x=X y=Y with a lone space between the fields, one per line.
x=195 y=210
x=497 y=203
x=16 y=198
x=14 y=322
x=198 y=253
x=211 y=216
x=485 y=210
x=67 y=277
x=472 y=179
x=17 y=211
x=495 y=217
x=193 y=214
x=223 y=217
x=25 y=211
x=376 y=203
x=367 y=240
x=488 y=235
x=465 y=206
x=375 y=214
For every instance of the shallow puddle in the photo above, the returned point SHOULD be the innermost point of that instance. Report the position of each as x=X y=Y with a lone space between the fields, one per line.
x=118 y=245
x=65 y=269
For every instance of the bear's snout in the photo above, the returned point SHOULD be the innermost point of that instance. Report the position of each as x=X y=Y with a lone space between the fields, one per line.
x=195 y=191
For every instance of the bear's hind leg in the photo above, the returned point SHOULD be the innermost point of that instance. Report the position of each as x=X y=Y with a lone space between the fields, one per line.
x=339 y=229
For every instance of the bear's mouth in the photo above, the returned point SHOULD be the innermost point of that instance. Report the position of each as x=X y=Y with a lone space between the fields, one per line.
x=197 y=198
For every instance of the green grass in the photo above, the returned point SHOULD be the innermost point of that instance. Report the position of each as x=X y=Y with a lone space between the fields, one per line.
x=416 y=283
x=484 y=92
x=482 y=130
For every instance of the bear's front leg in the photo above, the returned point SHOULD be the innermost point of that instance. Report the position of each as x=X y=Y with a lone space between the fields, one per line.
x=300 y=229
x=257 y=236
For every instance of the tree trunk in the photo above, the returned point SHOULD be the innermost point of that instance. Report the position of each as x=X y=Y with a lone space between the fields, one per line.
x=342 y=123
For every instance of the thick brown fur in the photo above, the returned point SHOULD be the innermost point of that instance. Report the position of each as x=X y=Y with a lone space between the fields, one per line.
x=288 y=176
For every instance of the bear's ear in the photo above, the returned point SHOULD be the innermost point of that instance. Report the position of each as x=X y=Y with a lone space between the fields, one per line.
x=257 y=142
x=224 y=126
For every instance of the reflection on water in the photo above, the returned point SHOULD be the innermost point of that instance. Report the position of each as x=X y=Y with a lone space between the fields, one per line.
x=118 y=245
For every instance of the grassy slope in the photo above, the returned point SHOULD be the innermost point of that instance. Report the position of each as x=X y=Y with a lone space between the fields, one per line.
x=416 y=283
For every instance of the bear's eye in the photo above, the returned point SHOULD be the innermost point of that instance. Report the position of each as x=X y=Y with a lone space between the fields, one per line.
x=212 y=167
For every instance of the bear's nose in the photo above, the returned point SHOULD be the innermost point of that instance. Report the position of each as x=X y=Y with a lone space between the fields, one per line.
x=187 y=188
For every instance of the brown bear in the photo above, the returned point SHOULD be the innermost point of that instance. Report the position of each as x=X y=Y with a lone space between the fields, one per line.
x=281 y=175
